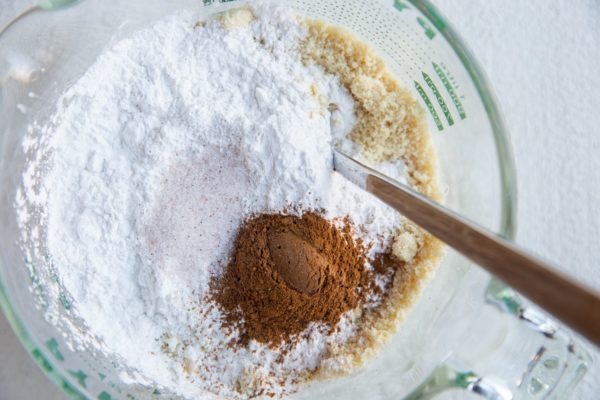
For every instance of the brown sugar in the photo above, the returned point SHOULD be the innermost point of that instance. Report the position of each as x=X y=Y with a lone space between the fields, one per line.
x=289 y=271
x=390 y=124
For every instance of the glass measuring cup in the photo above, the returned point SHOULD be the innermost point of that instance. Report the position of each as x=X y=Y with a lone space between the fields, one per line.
x=464 y=333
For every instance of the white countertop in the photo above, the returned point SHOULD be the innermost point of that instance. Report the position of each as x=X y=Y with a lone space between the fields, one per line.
x=541 y=58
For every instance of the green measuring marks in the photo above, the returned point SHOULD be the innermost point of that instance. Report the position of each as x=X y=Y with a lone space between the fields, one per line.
x=429 y=105
x=450 y=89
x=440 y=98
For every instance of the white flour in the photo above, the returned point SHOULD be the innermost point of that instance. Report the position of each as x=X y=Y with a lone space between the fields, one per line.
x=142 y=177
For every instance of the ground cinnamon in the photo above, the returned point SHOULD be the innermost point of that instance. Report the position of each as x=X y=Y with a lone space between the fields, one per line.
x=298 y=262
x=288 y=271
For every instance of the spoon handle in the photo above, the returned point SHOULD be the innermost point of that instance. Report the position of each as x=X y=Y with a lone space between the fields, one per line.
x=569 y=301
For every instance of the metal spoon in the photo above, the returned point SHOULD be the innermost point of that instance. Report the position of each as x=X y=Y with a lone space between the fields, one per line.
x=568 y=300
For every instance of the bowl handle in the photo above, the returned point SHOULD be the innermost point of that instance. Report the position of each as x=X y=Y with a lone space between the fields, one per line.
x=446 y=377
x=546 y=361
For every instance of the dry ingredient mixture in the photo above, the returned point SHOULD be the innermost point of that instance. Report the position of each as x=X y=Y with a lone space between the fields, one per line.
x=181 y=209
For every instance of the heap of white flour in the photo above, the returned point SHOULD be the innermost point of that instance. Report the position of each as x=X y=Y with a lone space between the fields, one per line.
x=136 y=187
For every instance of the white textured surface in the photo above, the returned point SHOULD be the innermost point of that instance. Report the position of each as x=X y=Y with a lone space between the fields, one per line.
x=541 y=58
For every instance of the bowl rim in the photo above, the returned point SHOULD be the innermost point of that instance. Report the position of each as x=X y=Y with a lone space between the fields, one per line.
x=508 y=177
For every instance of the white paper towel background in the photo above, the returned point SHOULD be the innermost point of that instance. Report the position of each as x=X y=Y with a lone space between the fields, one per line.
x=542 y=58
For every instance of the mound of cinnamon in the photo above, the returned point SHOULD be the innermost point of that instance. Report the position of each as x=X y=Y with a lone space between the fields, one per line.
x=288 y=271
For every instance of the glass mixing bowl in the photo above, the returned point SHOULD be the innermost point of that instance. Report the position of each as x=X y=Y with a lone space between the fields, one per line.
x=466 y=332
